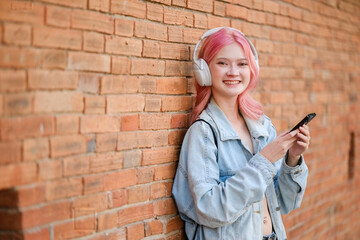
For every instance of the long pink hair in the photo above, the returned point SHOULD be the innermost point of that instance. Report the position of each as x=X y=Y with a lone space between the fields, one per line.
x=211 y=46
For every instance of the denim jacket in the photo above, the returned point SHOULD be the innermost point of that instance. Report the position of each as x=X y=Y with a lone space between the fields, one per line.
x=219 y=188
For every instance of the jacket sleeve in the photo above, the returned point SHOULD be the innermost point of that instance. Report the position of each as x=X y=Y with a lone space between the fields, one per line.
x=214 y=203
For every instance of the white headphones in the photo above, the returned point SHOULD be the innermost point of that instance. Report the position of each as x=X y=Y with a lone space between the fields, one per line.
x=200 y=67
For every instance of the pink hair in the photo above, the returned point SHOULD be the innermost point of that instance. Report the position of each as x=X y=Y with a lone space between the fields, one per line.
x=211 y=46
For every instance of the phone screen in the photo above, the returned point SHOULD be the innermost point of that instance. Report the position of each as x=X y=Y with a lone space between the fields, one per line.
x=305 y=120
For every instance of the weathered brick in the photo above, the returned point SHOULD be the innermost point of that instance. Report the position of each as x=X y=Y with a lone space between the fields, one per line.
x=174 y=224
x=93 y=42
x=49 y=102
x=135 y=232
x=120 y=179
x=93 y=183
x=35 y=149
x=104 y=162
x=66 y=124
x=176 y=103
x=89 y=82
x=130 y=123
x=63 y=188
x=133 y=8
x=174 y=51
x=171 y=85
x=99 y=124
x=89 y=62
x=55 y=37
x=69 y=3
x=165 y=172
x=24 y=127
x=120 y=65
x=204 y=6
x=147 y=67
x=160 y=190
x=99 y=5
x=21 y=11
x=130 y=140
x=151 y=49
x=215 y=21
x=125 y=103
x=77 y=165
x=132 y=158
x=134 y=214
x=165 y=207
x=123 y=46
x=151 y=30
x=75 y=228
x=154 y=121
x=154 y=12
x=58 y=16
x=53 y=58
x=106 y=142
x=12 y=80
x=89 y=20
x=17 y=34
x=15 y=57
x=119 y=84
x=219 y=8
x=17 y=174
x=159 y=156
x=153 y=228
x=95 y=105
x=49 y=170
x=17 y=104
x=10 y=152
x=145 y=175
x=107 y=221
x=68 y=145
x=124 y=27
x=179 y=121
x=52 y=79
x=236 y=11
x=147 y=84
x=178 y=17
x=152 y=104
x=138 y=194
x=118 y=198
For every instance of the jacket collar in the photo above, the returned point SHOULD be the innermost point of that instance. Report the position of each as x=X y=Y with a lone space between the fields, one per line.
x=226 y=130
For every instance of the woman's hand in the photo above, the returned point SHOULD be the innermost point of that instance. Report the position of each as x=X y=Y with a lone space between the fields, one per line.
x=280 y=145
x=300 y=146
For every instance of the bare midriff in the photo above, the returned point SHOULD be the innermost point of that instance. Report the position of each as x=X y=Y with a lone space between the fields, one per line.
x=267 y=223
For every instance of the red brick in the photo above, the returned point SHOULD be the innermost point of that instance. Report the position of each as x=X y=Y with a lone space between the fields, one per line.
x=58 y=16
x=17 y=174
x=52 y=79
x=176 y=137
x=166 y=2
x=95 y=105
x=17 y=104
x=93 y=42
x=151 y=30
x=75 y=228
x=154 y=12
x=164 y=207
x=160 y=155
x=134 y=214
x=43 y=234
x=89 y=82
x=68 y=145
x=176 y=103
x=19 y=57
x=24 y=127
x=133 y=8
x=17 y=34
x=77 y=165
x=99 y=124
x=130 y=123
x=177 y=68
x=132 y=158
x=245 y=3
x=89 y=20
x=49 y=170
x=147 y=84
x=130 y=140
x=35 y=149
x=138 y=194
x=10 y=152
x=105 y=162
x=201 y=5
x=59 y=38
x=179 y=121
x=152 y=104
x=30 y=195
x=49 y=102
x=176 y=33
x=69 y=3
x=125 y=103
x=93 y=183
x=151 y=49
x=46 y=214
x=178 y=17
x=21 y=11
x=215 y=21
x=120 y=179
x=118 y=198
x=145 y=175
x=154 y=121
x=89 y=62
x=165 y=172
x=119 y=84
x=124 y=27
x=53 y=58
x=219 y=8
x=154 y=227
x=174 y=224
x=174 y=51
x=123 y=46
x=180 y=3
x=107 y=221
x=160 y=190
x=106 y=142
x=236 y=11
x=135 y=232
x=63 y=188
x=90 y=204
x=171 y=85
x=147 y=67
x=12 y=80
x=66 y=124
x=99 y=5
x=13 y=222
x=120 y=65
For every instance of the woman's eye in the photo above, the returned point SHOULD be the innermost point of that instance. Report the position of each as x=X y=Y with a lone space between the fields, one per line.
x=221 y=63
x=243 y=64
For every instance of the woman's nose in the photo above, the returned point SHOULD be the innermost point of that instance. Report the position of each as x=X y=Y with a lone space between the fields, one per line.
x=233 y=71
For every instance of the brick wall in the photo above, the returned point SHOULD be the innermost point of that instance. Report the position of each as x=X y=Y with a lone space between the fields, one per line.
x=95 y=94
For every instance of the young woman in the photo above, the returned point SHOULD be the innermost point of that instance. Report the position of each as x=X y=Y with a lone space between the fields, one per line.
x=235 y=177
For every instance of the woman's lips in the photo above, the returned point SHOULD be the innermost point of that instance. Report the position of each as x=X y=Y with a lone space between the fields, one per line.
x=231 y=82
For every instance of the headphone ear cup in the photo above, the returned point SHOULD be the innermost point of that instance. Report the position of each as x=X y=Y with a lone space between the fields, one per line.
x=202 y=72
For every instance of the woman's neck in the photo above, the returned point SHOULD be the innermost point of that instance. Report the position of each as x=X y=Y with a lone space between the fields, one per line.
x=230 y=108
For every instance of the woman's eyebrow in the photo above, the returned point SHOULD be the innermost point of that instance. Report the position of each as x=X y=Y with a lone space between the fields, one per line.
x=225 y=58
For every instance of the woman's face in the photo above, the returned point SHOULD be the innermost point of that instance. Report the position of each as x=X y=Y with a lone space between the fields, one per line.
x=230 y=72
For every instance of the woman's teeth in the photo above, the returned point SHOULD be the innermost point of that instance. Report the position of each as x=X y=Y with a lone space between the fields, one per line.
x=231 y=82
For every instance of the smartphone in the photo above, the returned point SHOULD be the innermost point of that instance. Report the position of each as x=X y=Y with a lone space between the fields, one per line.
x=305 y=120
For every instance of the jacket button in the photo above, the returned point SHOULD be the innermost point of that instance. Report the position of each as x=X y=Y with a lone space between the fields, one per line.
x=278 y=209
